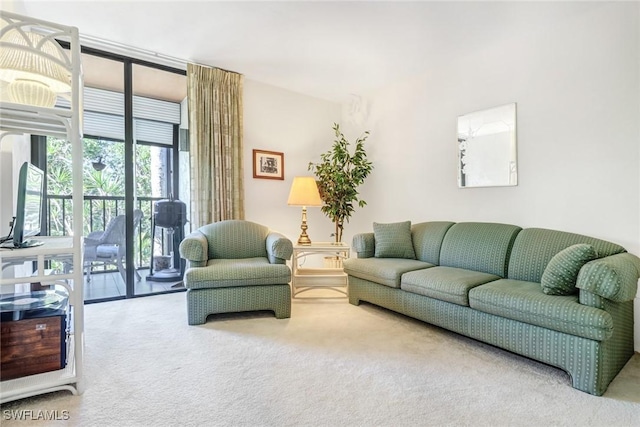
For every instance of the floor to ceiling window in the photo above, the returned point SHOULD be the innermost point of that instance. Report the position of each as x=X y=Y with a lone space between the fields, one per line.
x=156 y=130
x=132 y=118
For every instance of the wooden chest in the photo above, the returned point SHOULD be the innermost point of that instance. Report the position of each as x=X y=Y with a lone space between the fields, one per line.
x=32 y=346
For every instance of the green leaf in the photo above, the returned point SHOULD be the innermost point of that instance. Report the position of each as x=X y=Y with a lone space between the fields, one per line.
x=339 y=174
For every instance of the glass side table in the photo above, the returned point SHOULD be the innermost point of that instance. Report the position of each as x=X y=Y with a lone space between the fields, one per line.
x=329 y=276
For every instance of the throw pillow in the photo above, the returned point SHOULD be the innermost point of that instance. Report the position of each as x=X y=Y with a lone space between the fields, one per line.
x=393 y=240
x=559 y=278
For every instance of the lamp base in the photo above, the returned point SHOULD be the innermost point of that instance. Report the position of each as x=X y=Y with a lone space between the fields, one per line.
x=304 y=237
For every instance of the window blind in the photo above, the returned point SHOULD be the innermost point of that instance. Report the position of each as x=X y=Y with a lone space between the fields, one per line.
x=104 y=116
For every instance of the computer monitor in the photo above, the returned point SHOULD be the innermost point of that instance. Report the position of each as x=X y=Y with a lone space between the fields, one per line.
x=29 y=206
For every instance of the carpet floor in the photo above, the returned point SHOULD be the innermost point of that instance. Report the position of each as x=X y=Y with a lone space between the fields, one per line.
x=330 y=364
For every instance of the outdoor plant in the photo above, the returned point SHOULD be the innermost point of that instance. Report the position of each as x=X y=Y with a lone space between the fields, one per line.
x=339 y=174
x=106 y=186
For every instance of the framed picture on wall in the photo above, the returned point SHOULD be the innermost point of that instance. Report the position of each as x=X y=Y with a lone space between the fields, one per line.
x=268 y=164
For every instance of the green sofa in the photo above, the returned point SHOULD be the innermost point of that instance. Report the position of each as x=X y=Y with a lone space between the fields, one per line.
x=485 y=281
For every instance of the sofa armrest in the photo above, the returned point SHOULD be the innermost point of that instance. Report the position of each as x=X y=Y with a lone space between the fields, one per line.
x=364 y=245
x=195 y=249
x=279 y=248
x=614 y=277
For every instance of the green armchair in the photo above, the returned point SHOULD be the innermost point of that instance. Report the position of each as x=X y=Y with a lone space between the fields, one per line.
x=236 y=266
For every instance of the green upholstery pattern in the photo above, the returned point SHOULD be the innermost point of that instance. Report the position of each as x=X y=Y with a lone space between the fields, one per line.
x=385 y=271
x=580 y=357
x=203 y=302
x=235 y=239
x=479 y=246
x=445 y=283
x=195 y=249
x=279 y=248
x=591 y=364
x=534 y=248
x=426 y=236
x=223 y=273
x=617 y=350
x=427 y=240
x=614 y=278
x=393 y=240
x=384 y=296
x=236 y=265
x=561 y=274
x=591 y=300
x=589 y=335
x=364 y=245
x=525 y=302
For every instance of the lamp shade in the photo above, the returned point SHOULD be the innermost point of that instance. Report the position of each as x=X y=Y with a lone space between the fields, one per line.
x=32 y=65
x=304 y=192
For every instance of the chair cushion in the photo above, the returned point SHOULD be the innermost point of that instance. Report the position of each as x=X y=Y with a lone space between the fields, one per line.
x=559 y=278
x=393 y=240
x=385 y=271
x=224 y=273
x=525 y=302
x=445 y=283
x=107 y=251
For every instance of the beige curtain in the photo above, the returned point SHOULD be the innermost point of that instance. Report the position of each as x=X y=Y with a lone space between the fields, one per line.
x=215 y=135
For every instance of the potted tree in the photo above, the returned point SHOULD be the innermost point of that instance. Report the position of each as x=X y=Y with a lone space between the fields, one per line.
x=339 y=174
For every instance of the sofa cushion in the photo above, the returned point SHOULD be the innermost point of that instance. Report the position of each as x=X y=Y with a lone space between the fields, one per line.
x=445 y=283
x=534 y=248
x=224 y=273
x=559 y=278
x=478 y=246
x=525 y=302
x=393 y=240
x=385 y=271
x=427 y=239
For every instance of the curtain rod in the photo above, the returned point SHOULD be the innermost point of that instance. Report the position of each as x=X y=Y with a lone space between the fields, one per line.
x=131 y=51
x=139 y=53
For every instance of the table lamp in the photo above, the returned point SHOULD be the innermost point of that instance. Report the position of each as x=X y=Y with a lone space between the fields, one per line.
x=304 y=192
x=32 y=65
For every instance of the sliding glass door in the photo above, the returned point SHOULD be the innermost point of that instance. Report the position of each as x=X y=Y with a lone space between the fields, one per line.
x=132 y=115
x=157 y=102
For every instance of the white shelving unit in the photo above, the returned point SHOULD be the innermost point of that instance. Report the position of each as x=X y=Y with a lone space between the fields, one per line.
x=18 y=119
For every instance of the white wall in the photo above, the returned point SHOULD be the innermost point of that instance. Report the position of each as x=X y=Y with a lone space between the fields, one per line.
x=577 y=88
x=298 y=126
x=14 y=151
x=6 y=188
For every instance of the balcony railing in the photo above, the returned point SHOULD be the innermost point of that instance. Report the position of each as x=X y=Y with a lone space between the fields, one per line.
x=98 y=211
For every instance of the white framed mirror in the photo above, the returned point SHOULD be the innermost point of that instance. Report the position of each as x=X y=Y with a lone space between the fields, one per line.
x=487 y=148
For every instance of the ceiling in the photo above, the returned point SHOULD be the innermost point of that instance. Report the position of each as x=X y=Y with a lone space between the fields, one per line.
x=323 y=49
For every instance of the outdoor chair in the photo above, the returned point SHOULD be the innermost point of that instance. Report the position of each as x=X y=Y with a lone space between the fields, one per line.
x=108 y=247
x=236 y=266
